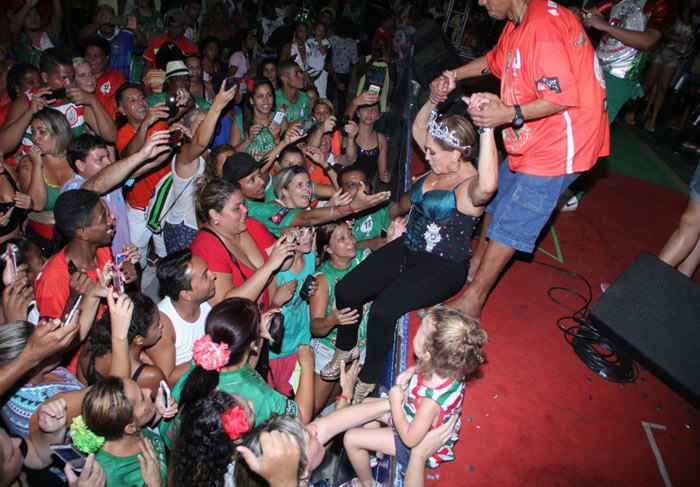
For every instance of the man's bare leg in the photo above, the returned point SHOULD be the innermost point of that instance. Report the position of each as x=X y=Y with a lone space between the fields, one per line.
x=472 y=300
x=478 y=254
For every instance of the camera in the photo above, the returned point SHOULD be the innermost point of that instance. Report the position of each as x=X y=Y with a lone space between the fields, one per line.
x=171 y=103
x=304 y=291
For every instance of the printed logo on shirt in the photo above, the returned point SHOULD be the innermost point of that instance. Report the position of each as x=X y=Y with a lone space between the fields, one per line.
x=277 y=217
x=105 y=88
x=367 y=225
x=545 y=83
x=552 y=8
x=72 y=116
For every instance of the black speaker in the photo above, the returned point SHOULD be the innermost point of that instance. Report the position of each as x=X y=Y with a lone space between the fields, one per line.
x=433 y=53
x=652 y=312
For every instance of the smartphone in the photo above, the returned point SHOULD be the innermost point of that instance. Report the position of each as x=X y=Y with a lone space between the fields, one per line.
x=117 y=20
x=117 y=279
x=164 y=393
x=307 y=125
x=292 y=238
x=375 y=88
x=171 y=103
x=72 y=311
x=71 y=268
x=11 y=258
x=70 y=455
x=229 y=82
x=175 y=138
x=279 y=117
x=304 y=291
x=277 y=331
x=56 y=94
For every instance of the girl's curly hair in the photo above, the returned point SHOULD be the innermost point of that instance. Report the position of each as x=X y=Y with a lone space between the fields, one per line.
x=454 y=346
x=203 y=451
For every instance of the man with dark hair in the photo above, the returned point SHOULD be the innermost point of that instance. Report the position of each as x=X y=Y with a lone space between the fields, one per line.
x=373 y=228
x=193 y=10
x=107 y=80
x=89 y=158
x=123 y=39
x=176 y=23
x=77 y=105
x=188 y=284
x=85 y=222
x=289 y=96
x=141 y=123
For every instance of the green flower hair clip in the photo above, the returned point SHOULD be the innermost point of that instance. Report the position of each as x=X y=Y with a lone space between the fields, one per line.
x=83 y=439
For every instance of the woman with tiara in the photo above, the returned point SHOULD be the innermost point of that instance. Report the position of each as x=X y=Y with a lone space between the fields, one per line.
x=429 y=264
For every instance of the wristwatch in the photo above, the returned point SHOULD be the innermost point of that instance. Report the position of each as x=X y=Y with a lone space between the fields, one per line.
x=518 y=119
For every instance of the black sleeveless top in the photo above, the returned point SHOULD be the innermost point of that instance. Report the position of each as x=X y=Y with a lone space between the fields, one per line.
x=17 y=216
x=367 y=159
x=93 y=376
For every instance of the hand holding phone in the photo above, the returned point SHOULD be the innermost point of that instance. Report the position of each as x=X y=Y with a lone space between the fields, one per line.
x=70 y=455
x=279 y=117
x=117 y=279
x=73 y=310
x=164 y=393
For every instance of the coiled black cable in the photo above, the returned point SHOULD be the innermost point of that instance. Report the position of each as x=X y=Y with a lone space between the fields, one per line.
x=596 y=352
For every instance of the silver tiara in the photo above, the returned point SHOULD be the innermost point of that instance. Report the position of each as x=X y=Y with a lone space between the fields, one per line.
x=439 y=131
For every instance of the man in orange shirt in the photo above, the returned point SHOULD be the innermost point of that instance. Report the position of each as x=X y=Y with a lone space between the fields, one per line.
x=552 y=106
x=141 y=121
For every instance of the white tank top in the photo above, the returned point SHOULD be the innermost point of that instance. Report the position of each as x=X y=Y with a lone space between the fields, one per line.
x=186 y=333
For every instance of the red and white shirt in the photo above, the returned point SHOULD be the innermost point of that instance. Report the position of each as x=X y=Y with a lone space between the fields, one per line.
x=550 y=56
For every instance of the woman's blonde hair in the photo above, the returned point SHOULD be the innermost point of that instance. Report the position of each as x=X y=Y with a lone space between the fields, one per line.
x=106 y=409
x=58 y=128
x=454 y=346
x=463 y=130
x=285 y=176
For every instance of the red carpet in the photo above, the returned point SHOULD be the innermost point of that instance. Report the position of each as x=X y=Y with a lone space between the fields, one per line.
x=536 y=415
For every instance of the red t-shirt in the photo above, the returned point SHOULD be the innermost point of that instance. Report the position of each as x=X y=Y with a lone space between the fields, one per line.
x=550 y=56
x=107 y=86
x=52 y=288
x=209 y=248
x=143 y=187
x=185 y=44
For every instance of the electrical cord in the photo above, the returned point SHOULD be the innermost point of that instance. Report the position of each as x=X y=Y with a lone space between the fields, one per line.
x=596 y=352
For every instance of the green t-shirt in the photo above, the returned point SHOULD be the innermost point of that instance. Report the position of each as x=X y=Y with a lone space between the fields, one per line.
x=160 y=97
x=125 y=471
x=334 y=275
x=28 y=52
x=261 y=145
x=295 y=111
x=274 y=217
x=154 y=23
x=270 y=190
x=371 y=225
x=244 y=381
x=297 y=323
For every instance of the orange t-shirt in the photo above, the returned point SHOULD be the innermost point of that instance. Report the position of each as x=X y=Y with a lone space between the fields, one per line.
x=550 y=56
x=143 y=187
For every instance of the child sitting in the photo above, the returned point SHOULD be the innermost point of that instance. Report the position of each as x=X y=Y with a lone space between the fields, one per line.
x=448 y=346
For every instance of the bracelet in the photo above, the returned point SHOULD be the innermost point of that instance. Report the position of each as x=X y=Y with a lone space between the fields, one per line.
x=483 y=130
x=343 y=397
x=331 y=213
x=341 y=211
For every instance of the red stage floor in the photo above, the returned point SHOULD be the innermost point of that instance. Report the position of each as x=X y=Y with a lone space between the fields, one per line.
x=536 y=415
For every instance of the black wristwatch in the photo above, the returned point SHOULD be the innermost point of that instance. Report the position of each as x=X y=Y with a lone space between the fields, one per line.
x=518 y=119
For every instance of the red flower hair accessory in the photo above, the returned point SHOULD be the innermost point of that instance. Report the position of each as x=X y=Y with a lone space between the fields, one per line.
x=210 y=355
x=235 y=422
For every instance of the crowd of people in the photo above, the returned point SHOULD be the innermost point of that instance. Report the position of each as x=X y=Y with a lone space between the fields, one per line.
x=231 y=149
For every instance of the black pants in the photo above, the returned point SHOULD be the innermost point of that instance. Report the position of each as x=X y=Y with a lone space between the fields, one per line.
x=398 y=280
x=335 y=95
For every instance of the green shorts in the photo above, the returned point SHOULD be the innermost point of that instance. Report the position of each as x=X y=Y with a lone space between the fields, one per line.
x=619 y=91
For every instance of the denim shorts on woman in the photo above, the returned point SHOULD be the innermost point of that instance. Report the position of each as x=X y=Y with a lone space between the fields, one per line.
x=695 y=184
x=522 y=206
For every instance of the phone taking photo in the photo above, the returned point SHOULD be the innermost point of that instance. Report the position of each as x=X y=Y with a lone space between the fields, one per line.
x=117 y=279
x=279 y=117
x=70 y=455
x=73 y=310
x=164 y=393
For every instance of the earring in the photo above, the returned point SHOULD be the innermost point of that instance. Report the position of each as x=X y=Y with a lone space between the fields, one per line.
x=216 y=222
x=255 y=348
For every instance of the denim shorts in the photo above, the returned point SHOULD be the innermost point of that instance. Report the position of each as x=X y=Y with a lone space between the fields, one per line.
x=403 y=453
x=522 y=206
x=695 y=184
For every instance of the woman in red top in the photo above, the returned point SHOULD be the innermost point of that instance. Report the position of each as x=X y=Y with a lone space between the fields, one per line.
x=239 y=250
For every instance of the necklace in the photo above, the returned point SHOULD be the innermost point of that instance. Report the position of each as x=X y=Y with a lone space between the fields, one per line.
x=521 y=14
x=438 y=179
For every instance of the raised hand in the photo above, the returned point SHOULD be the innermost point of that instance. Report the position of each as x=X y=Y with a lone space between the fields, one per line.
x=52 y=415
x=281 y=251
x=285 y=292
x=340 y=198
x=93 y=475
x=121 y=309
x=148 y=464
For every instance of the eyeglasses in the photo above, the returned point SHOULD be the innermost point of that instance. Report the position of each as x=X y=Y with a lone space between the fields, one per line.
x=306 y=230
